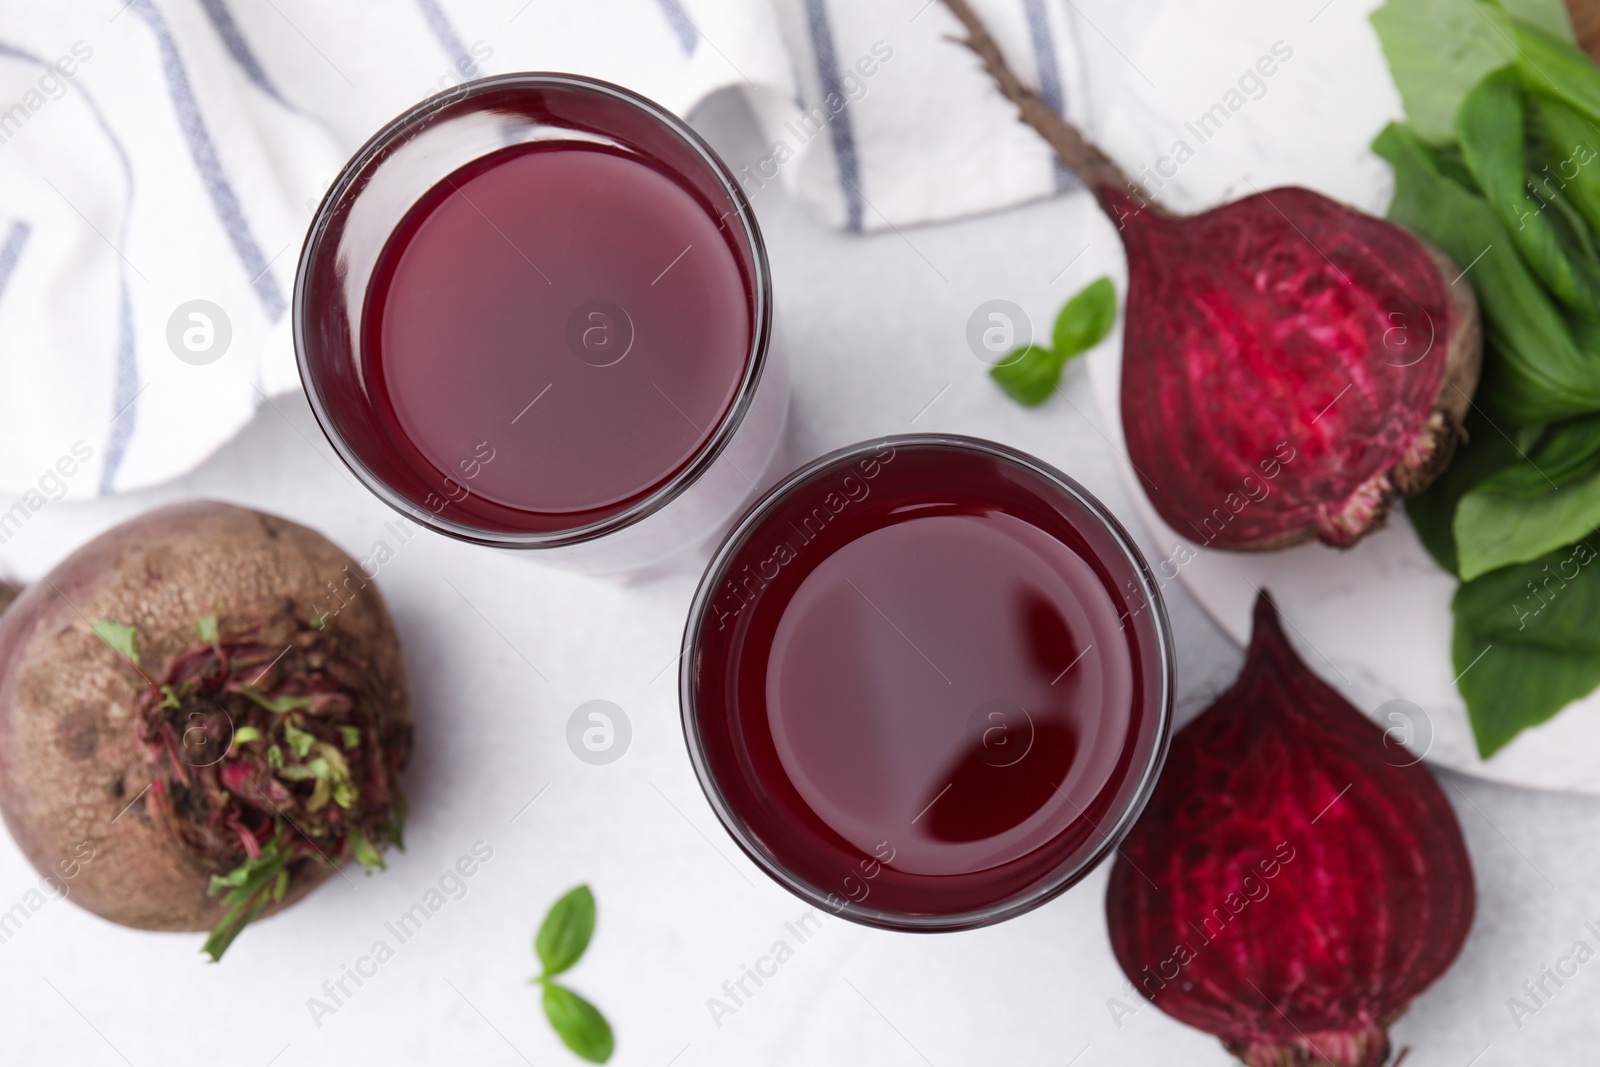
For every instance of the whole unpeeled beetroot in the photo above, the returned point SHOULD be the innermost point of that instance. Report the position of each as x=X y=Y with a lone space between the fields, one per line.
x=147 y=768
x=1290 y=367
x=1295 y=881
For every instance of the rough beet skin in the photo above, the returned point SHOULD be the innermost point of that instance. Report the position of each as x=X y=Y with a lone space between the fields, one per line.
x=1290 y=366
x=1295 y=880
x=163 y=765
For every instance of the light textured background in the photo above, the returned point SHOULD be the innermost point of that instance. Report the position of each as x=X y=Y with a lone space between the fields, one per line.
x=875 y=329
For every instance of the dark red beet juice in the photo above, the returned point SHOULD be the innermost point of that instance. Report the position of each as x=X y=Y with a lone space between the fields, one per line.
x=928 y=683
x=533 y=311
x=567 y=319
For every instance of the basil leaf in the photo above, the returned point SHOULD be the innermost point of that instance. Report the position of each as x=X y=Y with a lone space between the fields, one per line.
x=1030 y=375
x=1534 y=369
x=1527 y=642
x=1433 y=511
x=579 y=1024
x=1492 y=130
x=566 y=931
x=1085 y=319
x=122 y=639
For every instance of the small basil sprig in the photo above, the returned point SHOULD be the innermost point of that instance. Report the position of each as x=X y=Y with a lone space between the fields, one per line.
x=561 y=942
x=1030 y=374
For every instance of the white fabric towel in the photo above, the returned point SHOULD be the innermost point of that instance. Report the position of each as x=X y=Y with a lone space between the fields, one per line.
x=154 y=153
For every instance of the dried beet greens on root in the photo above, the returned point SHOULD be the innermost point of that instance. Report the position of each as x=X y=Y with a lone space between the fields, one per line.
x=280 y=752
x=172 y=702
x=1291 y=366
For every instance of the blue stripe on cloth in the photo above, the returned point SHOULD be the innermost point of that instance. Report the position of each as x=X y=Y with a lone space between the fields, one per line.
x=678 y=19
x=844 y=140
x=233 y=38
x=204 y=151
x=126 y=389
x=1050 y=91
x=11 y=251
x=126 y=418
x=448 y=39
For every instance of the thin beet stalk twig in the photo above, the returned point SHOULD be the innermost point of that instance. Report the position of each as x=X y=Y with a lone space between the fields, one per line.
x=1093 y=167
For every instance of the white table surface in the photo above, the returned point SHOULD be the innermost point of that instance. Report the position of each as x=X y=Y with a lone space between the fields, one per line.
x=875 y=334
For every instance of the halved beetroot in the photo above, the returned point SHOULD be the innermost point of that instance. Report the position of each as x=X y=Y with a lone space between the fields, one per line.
x=1290 y=365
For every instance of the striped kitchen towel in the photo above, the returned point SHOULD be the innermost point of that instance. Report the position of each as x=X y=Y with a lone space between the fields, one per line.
x=161 y=159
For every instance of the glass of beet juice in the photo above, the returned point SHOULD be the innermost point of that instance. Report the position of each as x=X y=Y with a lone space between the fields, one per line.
x=535 y=312
x=927 y=682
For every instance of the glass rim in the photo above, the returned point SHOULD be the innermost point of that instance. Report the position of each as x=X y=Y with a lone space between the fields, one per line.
x=714 y=445
x=1045 y=889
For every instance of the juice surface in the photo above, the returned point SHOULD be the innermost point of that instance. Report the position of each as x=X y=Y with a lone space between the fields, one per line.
x=557 y=328
x=921 y=681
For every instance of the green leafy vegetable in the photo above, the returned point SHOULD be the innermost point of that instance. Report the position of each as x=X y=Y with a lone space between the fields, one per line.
x=1432 y=512
x=122 y=639
x=1493 y=529
x=1439 y=49
x=208 y=630
x=1500 y=167
x=562 y=939
x=363 y=851
x=1564 y=146
x=277 y=704
x=1555 y=66
x=245 y=734
x=579 y=1024
x=1527 y=642
x=1085 y=320
x=1537 y=372
x=566 y=931
x=1030 y=374
x=1548 y=497
x=248 y=886
x=298 y=739
x=1492 y=130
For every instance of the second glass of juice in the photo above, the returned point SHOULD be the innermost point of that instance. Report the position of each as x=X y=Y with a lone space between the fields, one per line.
x=535 y=312
x=927 y=682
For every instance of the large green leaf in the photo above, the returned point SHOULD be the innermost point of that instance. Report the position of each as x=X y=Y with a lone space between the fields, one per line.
x=1534 y=371
x=1549 y=496
x=1439 y=49
x=1491 y=127
x=1564 y=155
x=1527 y=642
